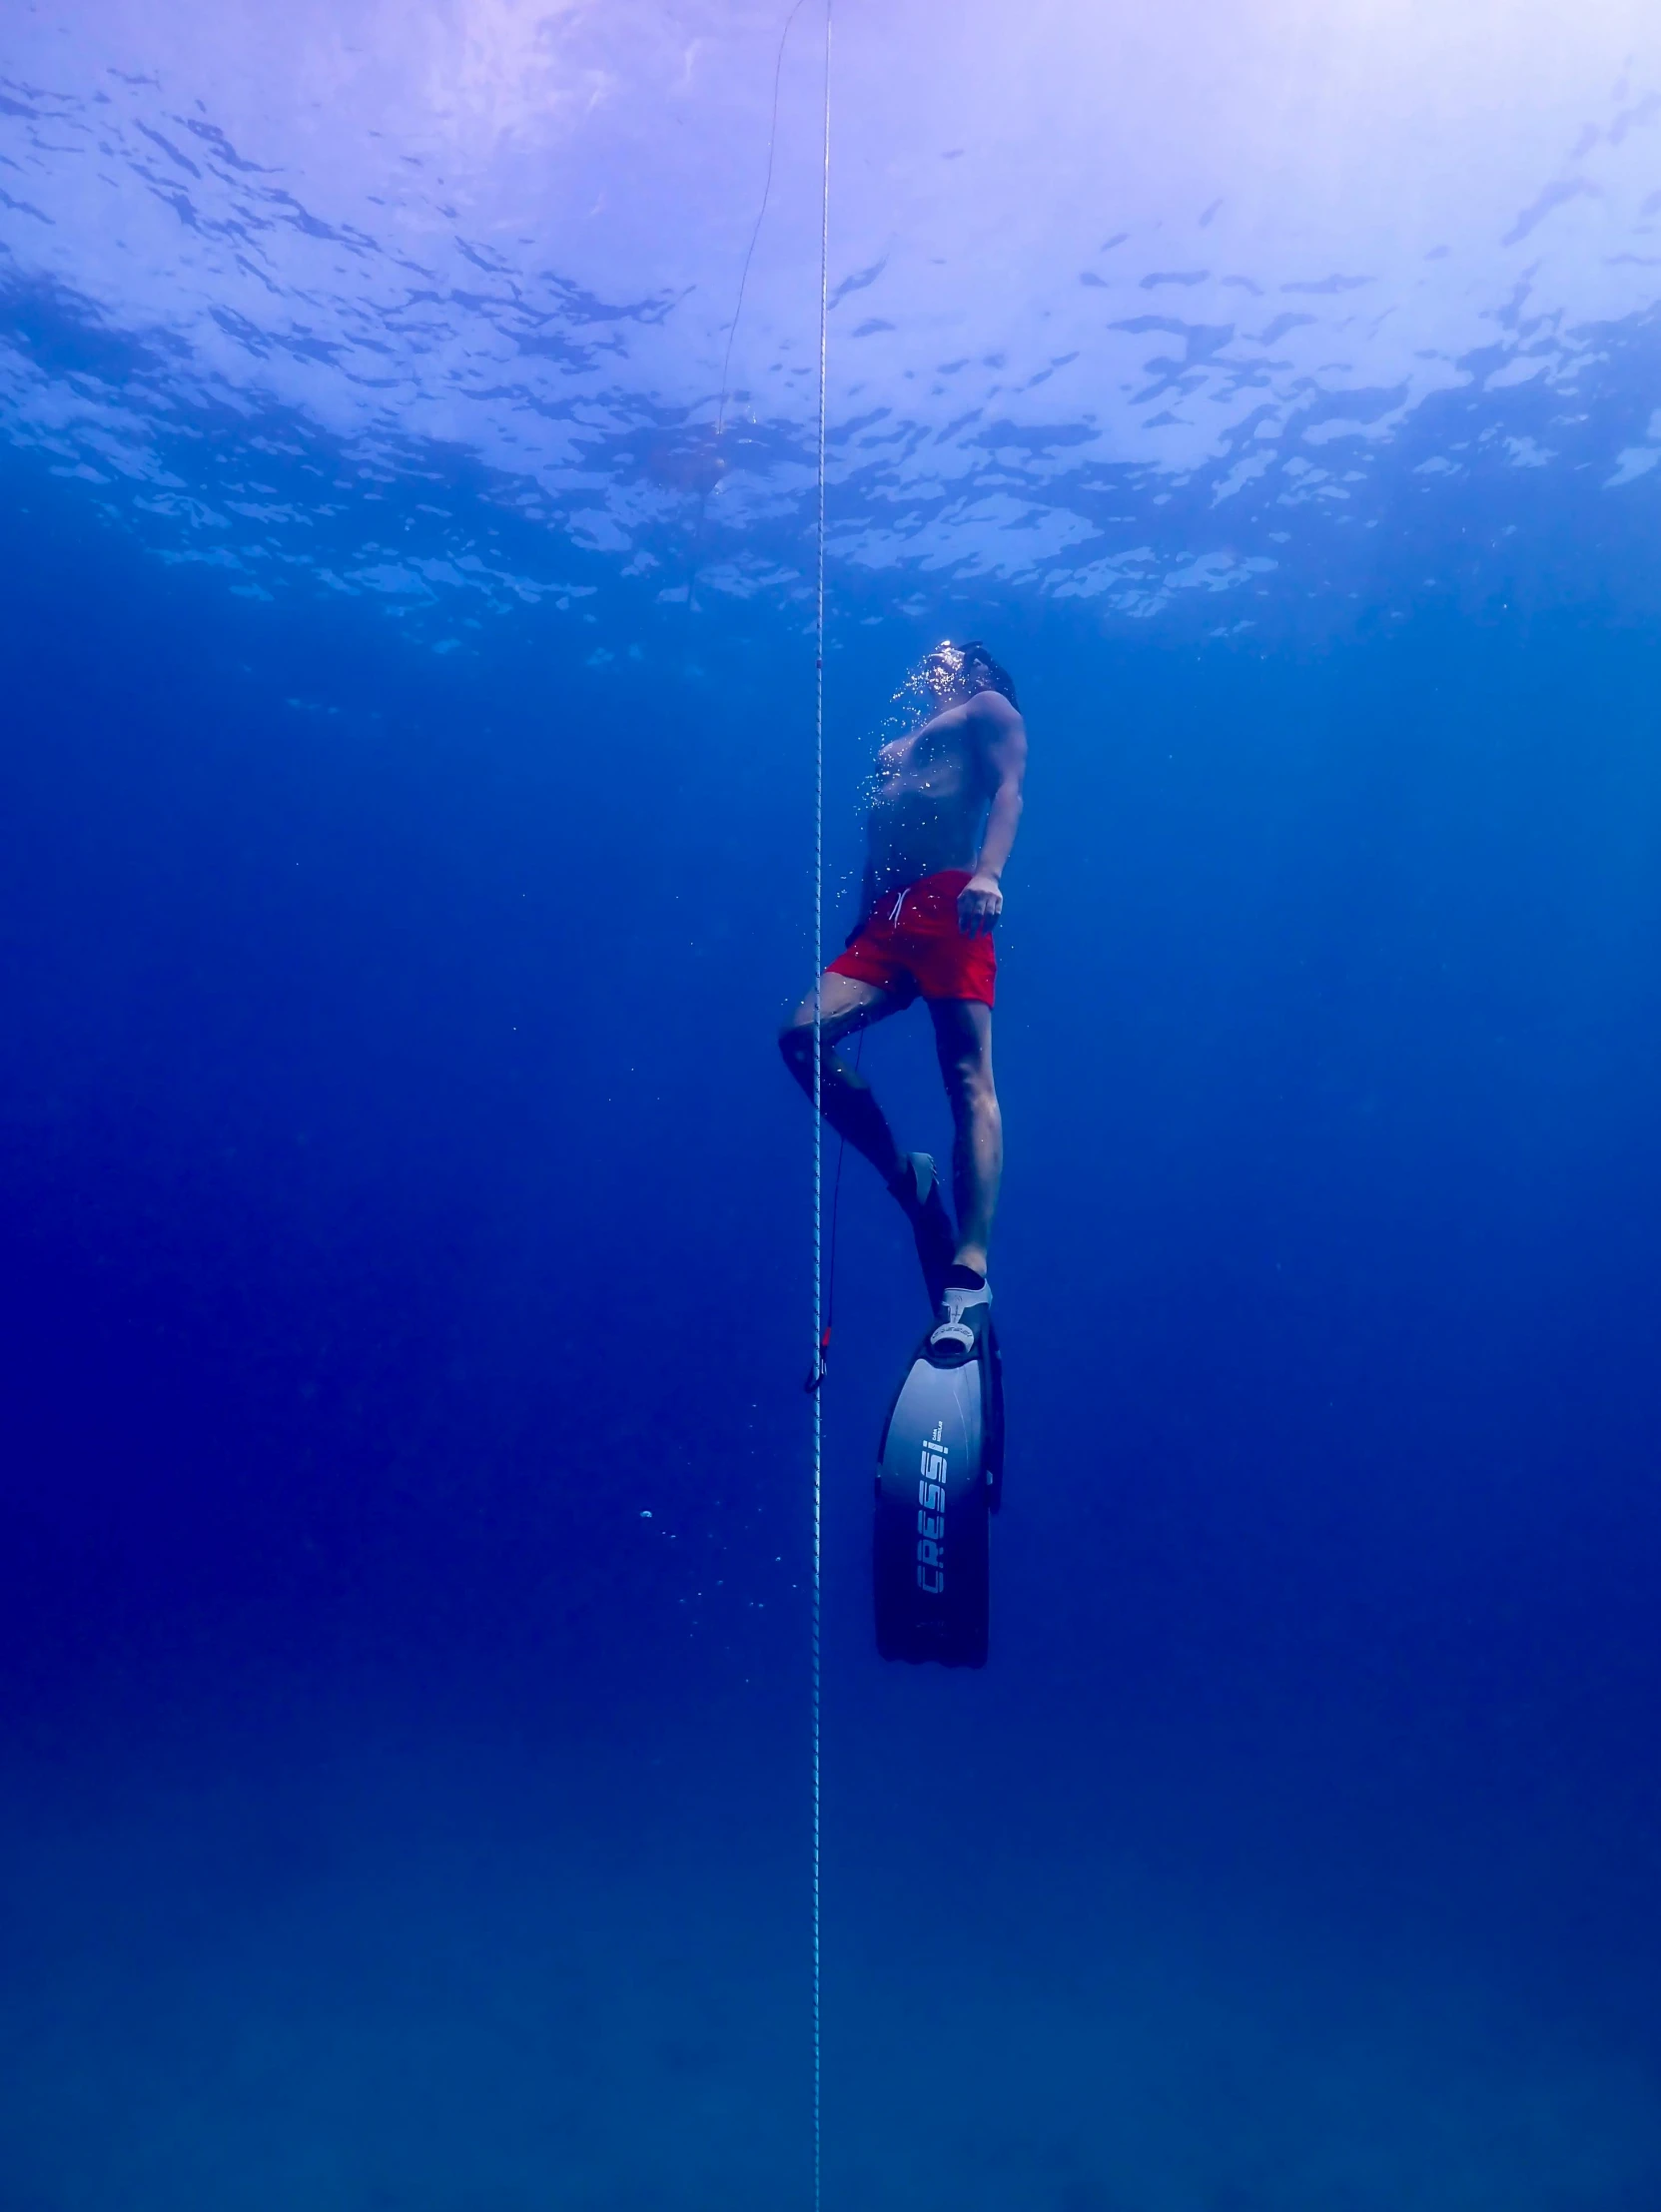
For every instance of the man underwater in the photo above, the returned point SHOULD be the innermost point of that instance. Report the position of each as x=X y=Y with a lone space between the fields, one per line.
x=945 y=806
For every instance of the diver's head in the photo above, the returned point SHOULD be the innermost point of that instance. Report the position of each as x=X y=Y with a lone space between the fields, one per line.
x=955 y=672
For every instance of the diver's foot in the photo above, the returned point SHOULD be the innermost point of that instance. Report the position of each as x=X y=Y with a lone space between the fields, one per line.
x=917 y=1187
x=964 y=1309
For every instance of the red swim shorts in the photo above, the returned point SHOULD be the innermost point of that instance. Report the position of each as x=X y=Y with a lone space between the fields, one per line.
x=912 y=942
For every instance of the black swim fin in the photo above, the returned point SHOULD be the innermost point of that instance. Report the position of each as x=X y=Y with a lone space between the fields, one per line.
x=918 y=1190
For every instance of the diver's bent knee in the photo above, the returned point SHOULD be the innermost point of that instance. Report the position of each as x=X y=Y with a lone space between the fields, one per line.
x=797 y=1043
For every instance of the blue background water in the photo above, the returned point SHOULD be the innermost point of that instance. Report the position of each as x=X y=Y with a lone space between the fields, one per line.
x=406 y=1478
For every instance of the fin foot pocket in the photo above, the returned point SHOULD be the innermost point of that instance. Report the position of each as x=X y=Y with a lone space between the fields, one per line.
x=965 y=1317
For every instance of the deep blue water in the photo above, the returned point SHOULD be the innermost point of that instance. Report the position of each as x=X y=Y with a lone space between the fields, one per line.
x=403 y=1195
x=405 y=816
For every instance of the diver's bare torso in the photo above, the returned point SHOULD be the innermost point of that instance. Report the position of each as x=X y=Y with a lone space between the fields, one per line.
x=929 y=798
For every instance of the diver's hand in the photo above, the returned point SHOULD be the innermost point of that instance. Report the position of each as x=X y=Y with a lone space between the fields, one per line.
x=979 y=903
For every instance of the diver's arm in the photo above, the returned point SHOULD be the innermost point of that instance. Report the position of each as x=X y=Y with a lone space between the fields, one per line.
x=1003 y=748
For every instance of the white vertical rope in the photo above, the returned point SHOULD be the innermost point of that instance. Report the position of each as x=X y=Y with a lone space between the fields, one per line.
x=819 y=1138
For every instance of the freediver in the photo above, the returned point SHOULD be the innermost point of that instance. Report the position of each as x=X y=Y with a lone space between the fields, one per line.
x=945 y=806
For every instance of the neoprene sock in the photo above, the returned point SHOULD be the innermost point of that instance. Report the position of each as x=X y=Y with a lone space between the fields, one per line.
x=958 y=1277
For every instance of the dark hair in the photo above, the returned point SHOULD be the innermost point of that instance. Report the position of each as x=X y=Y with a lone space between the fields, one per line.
x=982 y=673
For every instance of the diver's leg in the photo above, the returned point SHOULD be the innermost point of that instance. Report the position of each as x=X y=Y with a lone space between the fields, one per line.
x=848 y=1004
x=963 y=1040
x=846 y=1099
